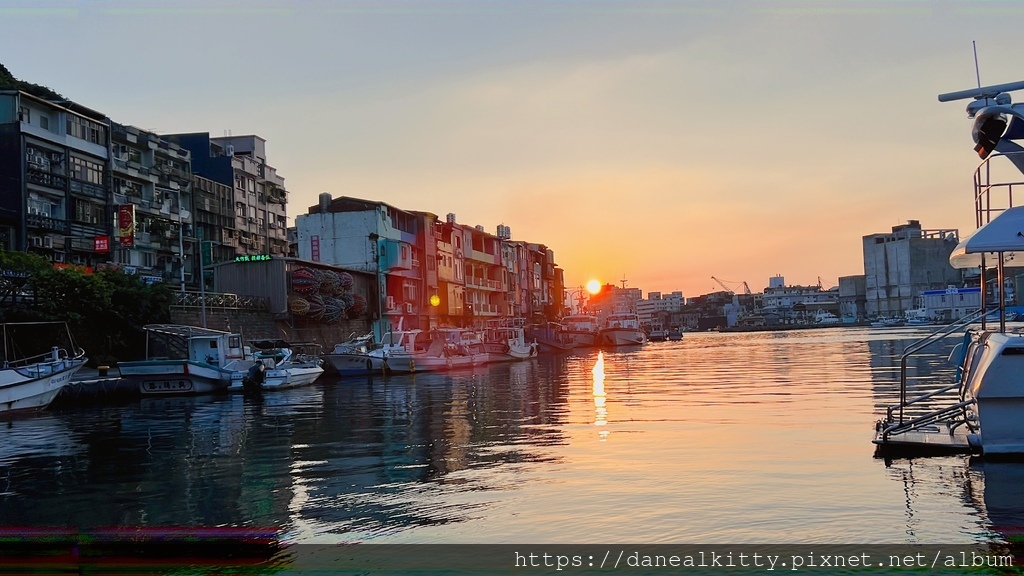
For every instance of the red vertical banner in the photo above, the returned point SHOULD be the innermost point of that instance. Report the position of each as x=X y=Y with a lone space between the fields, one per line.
x=101 y=244
x=126 y=224
x=314 y=248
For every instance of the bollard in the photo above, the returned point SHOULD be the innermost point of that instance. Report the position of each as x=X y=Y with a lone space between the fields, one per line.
x=103 y=370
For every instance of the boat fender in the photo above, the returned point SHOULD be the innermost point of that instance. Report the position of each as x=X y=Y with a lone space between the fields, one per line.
x=412 y=365
x=369 y=366
x=449 y=361
x=255 y=376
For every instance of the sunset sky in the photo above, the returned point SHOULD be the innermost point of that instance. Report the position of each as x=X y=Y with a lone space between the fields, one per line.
x=660 y=142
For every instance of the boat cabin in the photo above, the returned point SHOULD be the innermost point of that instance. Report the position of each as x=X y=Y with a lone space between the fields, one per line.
x=201 y=345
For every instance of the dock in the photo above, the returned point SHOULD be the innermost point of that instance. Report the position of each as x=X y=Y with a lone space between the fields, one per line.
x=932 y=440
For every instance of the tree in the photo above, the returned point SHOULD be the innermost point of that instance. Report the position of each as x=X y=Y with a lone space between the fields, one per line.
x=105 y=310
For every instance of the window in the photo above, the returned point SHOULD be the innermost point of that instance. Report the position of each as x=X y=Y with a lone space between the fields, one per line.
x=86 y=129
x=44 y=122
x=24 y=115
x=86 y=171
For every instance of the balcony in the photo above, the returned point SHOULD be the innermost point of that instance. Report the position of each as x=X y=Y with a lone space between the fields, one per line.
x=46 y=179
x=485 y=283
x=40 y=221
x=88 y=189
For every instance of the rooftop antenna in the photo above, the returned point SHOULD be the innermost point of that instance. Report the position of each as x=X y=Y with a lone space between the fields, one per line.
x=623 y=281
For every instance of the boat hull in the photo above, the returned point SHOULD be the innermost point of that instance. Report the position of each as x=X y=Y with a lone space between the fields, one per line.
x=410 y=363
x=280 y=379
x=621 y=337
x=171 y=377
x=355 y=364
x=993 y=368
x=33 y=388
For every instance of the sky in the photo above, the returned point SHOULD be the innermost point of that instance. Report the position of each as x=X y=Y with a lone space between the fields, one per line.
x=660 y=143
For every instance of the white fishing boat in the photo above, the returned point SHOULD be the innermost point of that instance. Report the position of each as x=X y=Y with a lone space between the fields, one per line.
x=824 y=317
x=917 y=317
x=358 y=356
x=658 y=333
x=580 y=330
x=986 y=415
x=31 y=383
x=621 y=329
x=274 y=366
x=505 y=341
x=184 y=360
x=437 y=350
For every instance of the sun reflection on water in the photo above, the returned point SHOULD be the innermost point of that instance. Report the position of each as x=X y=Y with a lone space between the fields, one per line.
x=600 y=409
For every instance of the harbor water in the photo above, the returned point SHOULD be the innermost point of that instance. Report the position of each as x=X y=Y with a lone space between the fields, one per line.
x=719 y=438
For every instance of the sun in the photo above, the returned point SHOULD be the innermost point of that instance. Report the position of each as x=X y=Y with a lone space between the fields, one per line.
x=593 y=286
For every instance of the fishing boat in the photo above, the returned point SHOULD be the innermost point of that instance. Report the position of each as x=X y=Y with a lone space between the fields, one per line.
x=184 y=360
x=674 y=334
x=621 y=329
x=550 y=337
x=357 y=356
x=580 y=330
x=505 y=341
x=658 y=333
x=275 y=365
x=32 y=382
x=437 y=350
x=986 y=413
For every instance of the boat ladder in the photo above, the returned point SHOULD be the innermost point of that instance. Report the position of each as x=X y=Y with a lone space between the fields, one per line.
x=897 y=422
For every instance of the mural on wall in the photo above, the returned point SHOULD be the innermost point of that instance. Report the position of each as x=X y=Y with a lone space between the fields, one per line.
x=325 y=295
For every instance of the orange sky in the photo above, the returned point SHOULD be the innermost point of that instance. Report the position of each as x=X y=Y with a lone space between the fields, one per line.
x=663 y=142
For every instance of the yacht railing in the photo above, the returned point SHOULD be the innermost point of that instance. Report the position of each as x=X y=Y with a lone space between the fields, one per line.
x=993 y=192
x=892 y=424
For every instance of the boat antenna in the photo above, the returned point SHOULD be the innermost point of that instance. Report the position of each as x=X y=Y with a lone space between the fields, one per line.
x=977 y=71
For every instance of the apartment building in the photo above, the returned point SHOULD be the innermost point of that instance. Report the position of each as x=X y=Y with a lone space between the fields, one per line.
x=54 y=179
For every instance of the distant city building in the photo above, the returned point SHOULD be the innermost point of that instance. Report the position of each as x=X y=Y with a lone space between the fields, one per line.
x=657 y=305
x=900 y=265
x=797 y=303
x=852 y=298
x=951 y=303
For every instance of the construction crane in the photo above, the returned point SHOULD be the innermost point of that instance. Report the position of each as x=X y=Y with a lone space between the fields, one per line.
x=746 y=289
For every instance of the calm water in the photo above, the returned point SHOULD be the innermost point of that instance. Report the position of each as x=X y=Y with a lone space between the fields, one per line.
x=720 y=438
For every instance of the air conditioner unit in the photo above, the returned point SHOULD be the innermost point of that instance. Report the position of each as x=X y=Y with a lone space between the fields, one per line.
x=408 y=307
x=391 y=302
x=47 y=242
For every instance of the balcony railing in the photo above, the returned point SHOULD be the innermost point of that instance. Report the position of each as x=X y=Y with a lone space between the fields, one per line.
x=46 y=179
x=47 y=223
x=484 y=283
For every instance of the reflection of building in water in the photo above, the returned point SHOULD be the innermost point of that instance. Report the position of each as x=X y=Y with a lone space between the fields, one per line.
x=377 y=451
